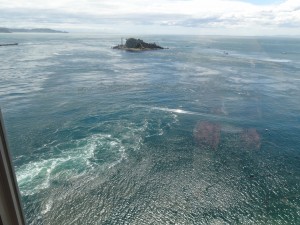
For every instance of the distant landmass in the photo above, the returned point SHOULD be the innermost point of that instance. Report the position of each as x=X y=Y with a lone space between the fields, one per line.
x=23 y=30
x=4 y=30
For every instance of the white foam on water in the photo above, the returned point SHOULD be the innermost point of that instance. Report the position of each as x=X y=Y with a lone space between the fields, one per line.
x=179 y=111
x=260 y=58
x=206 y=71
x=36 y=175
x=275 y=60
x=47 y=207
x=58 y=53
x=175 y=117
x=74 y=160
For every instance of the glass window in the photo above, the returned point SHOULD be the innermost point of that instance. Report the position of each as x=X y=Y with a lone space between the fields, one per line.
x=204 y=131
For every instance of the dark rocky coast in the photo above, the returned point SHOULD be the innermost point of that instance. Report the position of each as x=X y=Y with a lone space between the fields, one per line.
x=133 y=44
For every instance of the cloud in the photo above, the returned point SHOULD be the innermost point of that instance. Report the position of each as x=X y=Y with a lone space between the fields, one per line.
x=214 y=14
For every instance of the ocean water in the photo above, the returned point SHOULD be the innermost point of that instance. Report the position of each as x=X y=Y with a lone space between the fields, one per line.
x=205 y=132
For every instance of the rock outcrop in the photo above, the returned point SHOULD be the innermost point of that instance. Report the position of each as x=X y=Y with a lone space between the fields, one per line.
x=133 y=44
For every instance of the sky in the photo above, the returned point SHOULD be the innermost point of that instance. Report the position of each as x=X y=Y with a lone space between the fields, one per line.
x=197 y=17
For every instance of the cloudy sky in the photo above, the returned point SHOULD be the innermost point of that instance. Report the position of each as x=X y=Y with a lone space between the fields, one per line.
x=228 y=17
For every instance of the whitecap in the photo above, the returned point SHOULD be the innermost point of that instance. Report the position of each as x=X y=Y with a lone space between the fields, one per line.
x=275 y=60
x=179 y=111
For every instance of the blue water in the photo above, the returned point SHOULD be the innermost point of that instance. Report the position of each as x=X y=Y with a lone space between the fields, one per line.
x=102 y=136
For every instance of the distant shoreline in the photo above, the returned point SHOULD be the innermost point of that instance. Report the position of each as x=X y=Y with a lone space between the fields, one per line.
x=24 y=30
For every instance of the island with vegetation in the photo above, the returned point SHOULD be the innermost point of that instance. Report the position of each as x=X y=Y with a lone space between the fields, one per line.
x=133 y=44
x=23 y=30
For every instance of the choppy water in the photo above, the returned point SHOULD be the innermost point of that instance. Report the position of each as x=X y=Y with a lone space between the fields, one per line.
x=101 y=136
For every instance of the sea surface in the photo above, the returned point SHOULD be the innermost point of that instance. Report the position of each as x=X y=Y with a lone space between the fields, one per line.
x=204 y=132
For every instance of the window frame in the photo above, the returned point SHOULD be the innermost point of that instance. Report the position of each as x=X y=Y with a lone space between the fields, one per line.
x=11 y=211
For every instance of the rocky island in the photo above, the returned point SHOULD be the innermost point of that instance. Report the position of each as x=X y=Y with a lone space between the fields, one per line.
x=133 y=44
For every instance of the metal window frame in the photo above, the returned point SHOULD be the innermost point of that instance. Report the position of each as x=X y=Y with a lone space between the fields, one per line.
x=11 y=211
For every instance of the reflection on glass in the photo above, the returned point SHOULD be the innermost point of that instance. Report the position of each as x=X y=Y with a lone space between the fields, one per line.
x=204 y=132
